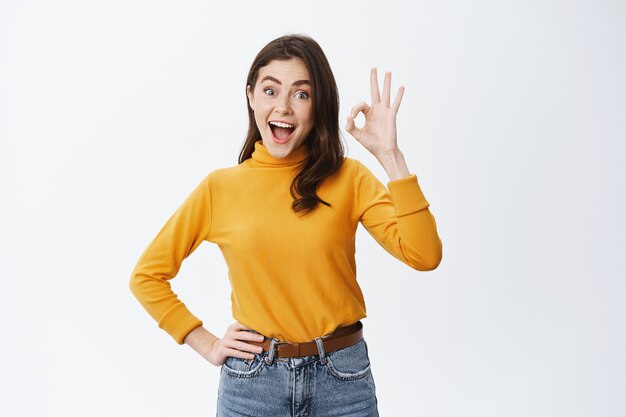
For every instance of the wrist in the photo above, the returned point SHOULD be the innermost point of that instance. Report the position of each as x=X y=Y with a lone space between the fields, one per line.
x=389 y=155
x=394 y=164
x=211 y=344
x=201 y=340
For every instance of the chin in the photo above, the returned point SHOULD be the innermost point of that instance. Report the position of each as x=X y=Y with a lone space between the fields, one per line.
x=279 y=151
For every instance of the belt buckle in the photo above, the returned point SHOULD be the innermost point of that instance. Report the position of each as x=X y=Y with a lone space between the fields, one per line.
x=276 y=347
x=266 y=359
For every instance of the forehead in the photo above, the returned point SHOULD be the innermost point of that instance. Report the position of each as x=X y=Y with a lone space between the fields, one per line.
x=286 y=71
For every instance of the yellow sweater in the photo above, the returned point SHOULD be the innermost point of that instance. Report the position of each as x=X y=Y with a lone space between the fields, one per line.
x=293 y=277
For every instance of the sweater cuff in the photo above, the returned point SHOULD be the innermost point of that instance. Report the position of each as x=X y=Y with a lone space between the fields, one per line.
x=407 y=195
x=179 y=322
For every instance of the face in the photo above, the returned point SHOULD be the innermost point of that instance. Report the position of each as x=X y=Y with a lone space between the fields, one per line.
x=282 y=105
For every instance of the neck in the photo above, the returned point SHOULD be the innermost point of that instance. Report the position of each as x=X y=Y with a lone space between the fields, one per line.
x=262 y=157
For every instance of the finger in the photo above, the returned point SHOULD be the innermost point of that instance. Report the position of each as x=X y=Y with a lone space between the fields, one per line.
x=360 y=107
x=239 y=354
x=243 y=332
x=238 y=326
x=398 y=100
x=246 y=335
x=351 y=127
x=387 y=88
x=244 y=347
x=374 y=86
x=250 y=336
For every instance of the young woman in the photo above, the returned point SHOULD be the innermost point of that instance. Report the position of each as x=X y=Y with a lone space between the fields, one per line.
x=285 y=219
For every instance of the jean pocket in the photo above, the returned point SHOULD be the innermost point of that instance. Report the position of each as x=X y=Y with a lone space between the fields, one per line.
x=243 y=368
x=349 y=363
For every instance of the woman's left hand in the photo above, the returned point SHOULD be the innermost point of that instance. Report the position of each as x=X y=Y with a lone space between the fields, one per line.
x=378 y=135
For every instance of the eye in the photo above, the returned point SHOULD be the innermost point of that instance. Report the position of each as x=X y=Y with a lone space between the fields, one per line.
x=266 y=89
x=302 y=95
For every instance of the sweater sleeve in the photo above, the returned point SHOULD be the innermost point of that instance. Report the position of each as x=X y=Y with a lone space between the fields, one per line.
x=399 y=218
x=183 y=232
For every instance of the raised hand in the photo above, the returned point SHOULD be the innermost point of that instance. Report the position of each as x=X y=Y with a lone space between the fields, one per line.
x=378 y=135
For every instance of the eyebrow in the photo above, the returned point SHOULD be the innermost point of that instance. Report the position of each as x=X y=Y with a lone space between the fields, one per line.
x=296 y=83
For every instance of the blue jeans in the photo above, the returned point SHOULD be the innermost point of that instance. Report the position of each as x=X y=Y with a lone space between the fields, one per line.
x=339 y=383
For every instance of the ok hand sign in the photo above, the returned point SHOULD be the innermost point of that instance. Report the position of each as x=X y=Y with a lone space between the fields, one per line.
x=378 y=135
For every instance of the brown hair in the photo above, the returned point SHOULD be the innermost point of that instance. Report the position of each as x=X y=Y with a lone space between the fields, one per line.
x=325 y=150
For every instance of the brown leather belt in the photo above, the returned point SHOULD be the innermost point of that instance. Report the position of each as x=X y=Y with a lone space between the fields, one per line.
x=339 y=339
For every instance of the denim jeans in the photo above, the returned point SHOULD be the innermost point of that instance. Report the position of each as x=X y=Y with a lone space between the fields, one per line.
x=339 y=383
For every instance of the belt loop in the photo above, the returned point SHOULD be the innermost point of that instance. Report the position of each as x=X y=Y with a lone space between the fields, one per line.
x=320 y=349
x=270 y=358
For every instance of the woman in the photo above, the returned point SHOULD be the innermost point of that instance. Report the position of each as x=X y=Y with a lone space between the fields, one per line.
x=285 y=219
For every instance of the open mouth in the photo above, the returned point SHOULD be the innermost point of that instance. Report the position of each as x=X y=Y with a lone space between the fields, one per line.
x=281 y=131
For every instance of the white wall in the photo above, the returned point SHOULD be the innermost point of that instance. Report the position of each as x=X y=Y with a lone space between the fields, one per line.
x=513 y=120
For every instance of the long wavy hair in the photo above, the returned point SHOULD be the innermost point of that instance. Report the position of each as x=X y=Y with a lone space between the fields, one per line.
x=325 y=149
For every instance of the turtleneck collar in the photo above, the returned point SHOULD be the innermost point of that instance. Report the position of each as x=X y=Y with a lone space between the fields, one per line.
x=262 y=158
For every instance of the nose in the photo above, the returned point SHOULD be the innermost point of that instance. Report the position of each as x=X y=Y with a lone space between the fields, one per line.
x=282 y=105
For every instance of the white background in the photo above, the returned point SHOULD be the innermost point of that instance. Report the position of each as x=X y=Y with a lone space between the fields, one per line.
x=513 y=120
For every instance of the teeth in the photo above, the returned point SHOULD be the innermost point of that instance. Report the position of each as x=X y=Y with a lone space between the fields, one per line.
x=280 y=124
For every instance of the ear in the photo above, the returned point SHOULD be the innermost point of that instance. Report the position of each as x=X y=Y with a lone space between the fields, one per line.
x=250 y=96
